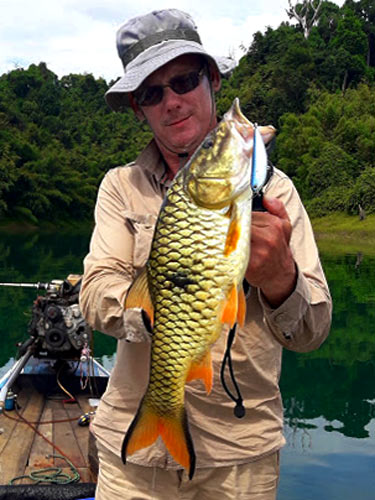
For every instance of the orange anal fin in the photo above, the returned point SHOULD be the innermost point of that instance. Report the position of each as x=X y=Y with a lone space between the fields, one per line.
x=241 y=313
x=234 y=308
x=139 y=296
x=229 y=314
x=176 y=436
x=203 y=370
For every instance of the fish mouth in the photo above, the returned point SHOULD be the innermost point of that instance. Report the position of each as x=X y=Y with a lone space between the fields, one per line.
x=242 y=125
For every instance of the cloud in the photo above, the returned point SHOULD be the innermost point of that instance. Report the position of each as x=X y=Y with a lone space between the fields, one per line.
x=78 y=36
x=236 y=34
x=58 y=33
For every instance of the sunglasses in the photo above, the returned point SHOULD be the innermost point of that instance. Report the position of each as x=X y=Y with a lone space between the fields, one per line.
x=153 y=94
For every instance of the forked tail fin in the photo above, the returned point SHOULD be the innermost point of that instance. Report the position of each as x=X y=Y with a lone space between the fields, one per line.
x=147 y=426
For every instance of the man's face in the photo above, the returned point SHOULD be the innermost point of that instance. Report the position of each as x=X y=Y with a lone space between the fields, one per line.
x=180 y=121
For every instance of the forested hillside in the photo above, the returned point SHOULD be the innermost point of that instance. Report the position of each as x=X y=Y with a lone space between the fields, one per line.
x=312 y=77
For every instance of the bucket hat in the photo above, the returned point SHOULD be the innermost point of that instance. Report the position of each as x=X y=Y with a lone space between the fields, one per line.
x=145 y=43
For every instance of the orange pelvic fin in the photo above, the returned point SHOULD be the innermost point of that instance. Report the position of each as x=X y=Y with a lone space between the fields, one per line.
x=241 y=313
x=202 y=369
x=147 y=426
x=234 y=231
x=235 y=307
x=139 y=296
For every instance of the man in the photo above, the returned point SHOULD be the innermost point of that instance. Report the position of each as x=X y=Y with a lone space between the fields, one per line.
x=170 y=81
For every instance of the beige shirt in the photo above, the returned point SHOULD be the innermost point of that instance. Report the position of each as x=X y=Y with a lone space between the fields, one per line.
x=128 y=203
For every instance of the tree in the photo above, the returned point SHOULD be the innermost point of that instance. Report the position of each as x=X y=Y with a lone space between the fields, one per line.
x=57 y=139
x=329 y=16
x=365 y=11
x=330 y=151
x=350 y=48
x=306 y=14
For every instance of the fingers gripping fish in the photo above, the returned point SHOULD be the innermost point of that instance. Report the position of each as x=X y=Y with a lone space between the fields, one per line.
x=192 y=283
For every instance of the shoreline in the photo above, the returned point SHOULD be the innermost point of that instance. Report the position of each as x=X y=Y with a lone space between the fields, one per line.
x=336 y=233
x=22 y=227
x=342 y=234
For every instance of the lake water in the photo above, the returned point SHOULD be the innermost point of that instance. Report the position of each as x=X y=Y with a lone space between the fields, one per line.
x=329 y=394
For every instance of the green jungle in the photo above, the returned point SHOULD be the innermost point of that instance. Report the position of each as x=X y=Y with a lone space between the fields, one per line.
x=313 y=78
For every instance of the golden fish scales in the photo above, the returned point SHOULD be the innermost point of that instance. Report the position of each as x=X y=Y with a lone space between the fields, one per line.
x=189 y=280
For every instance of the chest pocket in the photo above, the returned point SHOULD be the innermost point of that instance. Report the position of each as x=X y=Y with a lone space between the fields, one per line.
x=142 y=227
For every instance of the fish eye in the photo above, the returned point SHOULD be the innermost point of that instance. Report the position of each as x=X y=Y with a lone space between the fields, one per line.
x=208 y=143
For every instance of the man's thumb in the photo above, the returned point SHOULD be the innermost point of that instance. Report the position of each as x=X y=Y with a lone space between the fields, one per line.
x=275 y=207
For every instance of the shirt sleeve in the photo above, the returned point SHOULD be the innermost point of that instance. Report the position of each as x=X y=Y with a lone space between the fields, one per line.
x=303 y=321
x=109 y=267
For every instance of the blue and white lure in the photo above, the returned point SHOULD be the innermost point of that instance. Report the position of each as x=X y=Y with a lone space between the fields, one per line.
x=260 y=170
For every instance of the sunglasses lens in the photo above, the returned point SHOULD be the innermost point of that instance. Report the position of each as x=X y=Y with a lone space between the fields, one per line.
x=186 y=83
x=149 y=96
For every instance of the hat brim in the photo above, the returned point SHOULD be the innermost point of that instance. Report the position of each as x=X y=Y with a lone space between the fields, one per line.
x=150 y=60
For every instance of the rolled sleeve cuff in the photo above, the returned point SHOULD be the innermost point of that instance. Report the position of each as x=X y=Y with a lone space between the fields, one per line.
x=134 y=327
x=286 y=318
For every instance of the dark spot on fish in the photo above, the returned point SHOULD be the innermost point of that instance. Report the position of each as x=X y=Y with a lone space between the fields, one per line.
x=181 y=280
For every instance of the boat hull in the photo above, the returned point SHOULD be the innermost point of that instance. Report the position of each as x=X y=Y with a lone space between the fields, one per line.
x=45 y=428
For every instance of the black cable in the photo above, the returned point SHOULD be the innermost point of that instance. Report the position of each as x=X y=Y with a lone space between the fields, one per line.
x=239 y=409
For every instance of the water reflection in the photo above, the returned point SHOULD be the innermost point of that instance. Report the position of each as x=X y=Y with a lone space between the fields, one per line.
x=328 y=394
x=320 y=387
x=33 y=258
x=337 y=381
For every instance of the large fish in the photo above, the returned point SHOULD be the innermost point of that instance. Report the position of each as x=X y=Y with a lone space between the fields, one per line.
x=192 y=284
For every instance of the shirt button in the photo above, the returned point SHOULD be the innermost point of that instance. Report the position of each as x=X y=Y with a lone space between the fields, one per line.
x=280 y=317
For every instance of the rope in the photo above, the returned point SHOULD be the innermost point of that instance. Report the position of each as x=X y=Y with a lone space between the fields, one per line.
x=6 y=414
x=58 y=475
x=51 y=475
x=72 y=398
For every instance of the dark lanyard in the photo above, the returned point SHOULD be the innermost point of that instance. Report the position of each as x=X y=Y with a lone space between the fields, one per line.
x=239 y=409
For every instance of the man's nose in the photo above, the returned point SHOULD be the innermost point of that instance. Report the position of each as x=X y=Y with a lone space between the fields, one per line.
x=171 y=98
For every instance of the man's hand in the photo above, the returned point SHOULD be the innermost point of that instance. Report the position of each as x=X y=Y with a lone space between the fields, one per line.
x=271 y=267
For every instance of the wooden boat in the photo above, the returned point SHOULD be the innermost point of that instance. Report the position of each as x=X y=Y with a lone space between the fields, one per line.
x=47 y=399
x=44 y=431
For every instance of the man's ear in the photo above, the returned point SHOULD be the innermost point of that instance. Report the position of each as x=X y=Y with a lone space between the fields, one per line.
x=215 y=78
x=137 y=109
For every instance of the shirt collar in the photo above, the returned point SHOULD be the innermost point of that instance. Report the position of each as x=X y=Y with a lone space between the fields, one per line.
x=152 y=160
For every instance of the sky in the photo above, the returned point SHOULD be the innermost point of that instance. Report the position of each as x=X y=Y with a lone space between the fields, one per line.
x=78 y=36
